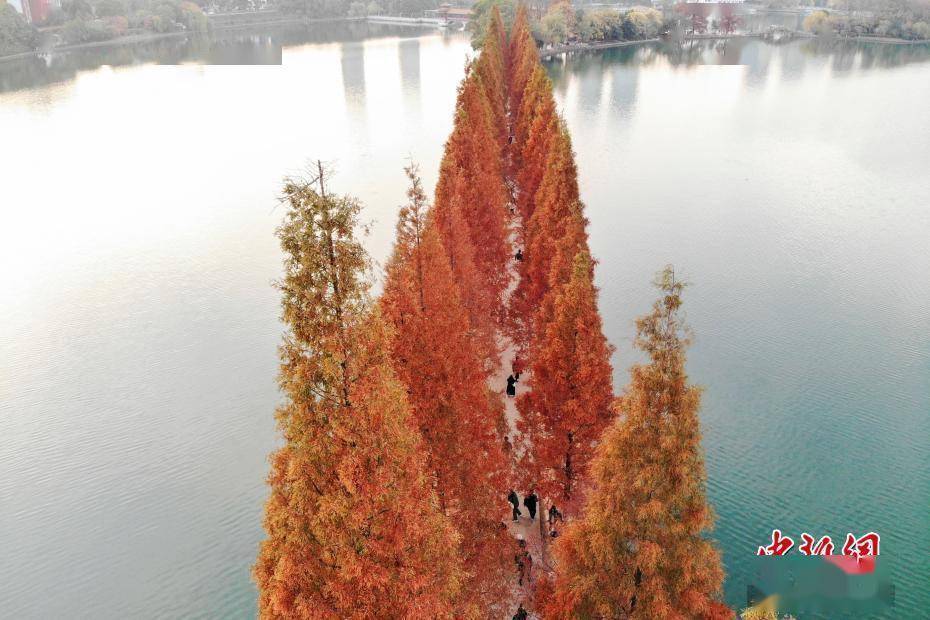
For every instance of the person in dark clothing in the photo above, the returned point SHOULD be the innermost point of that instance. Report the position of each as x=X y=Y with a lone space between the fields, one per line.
x=518 y=559
x=530 y=502
x=524 y=561
x=554 y=515
x=511 y=386
x=521 y=613
x=515 y=502
x=527 y=567
x=519 y=254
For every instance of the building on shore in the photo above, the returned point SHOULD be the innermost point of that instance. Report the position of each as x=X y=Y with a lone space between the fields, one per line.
x=449 y=13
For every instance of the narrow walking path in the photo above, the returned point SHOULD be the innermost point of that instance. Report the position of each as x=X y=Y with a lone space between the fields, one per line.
x=523 y=528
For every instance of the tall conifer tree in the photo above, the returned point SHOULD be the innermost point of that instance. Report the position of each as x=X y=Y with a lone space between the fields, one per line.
x=472 y=198
x=523 y=57
x=567 y=406
x=640 y=551
x=555 y=199
x=490 y=66
x=352 y=521
x=435 y=357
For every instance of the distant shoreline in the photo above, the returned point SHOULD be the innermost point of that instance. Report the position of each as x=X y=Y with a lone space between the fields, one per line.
x=584 y=47
x=155 y=36
x=544 y=53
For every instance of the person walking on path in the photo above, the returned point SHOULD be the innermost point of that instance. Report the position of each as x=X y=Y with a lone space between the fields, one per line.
x=527 y=567
x=524 y=561
x=554 y=515
x=530 y=502
x=515 y=502
x=519 y=254
x=511 y=386
x=521 y=613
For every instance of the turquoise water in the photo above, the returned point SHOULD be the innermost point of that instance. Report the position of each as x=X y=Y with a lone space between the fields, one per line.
x=790 y=186
x=138 y=343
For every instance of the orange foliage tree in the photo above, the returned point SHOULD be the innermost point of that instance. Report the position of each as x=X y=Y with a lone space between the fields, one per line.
x=352 y=522
x=523 y=57
x=555 y=199
x=535 y=127
x=640 y=551
x=435 y=357
x=491 y=68
x=472 y=197
x=568 y=403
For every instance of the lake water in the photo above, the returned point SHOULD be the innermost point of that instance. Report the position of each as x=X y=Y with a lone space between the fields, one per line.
x=139 y=327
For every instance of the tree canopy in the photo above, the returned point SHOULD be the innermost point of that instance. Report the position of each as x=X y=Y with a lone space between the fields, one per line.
x=639 y=550
x=352 y=521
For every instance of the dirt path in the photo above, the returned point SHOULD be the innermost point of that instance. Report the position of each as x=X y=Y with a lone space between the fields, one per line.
x=524 y=528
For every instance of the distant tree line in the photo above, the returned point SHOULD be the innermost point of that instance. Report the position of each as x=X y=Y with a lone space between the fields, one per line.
x=84 y=21
x=564 y=23
x=898 y=20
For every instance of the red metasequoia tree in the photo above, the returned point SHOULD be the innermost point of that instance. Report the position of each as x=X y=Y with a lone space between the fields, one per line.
x=522 y=59
x=574 y=240
x=567 y=406
x=352 y=522
x=555 y=198
x=435 y=357
x=639 y=550
x=471 y=184
x=491 y=67
x=534 y=127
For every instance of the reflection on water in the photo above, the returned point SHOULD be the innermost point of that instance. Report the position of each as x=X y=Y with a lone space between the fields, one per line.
x=139 y=332
x=789 y=184
x=138 y=341
x=260 y=45
x=752 y=53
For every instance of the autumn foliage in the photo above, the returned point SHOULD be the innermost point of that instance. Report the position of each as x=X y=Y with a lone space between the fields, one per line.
x=444 y=297
x=460 y=420
x=568 y=404
x=386 y=495
x=352 y=522
x=553 y=314
x=639 y=550
x=472 y=197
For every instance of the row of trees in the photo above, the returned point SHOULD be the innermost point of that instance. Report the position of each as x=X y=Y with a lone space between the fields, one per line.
x=84 y=21
x=385 y=496
x=903 y=24
x=443 y=296
x=628 y=472
x=554 y=307
x=353 y=521
x=564 y=22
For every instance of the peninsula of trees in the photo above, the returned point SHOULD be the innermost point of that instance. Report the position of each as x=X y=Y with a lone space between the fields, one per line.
x=387 y=495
